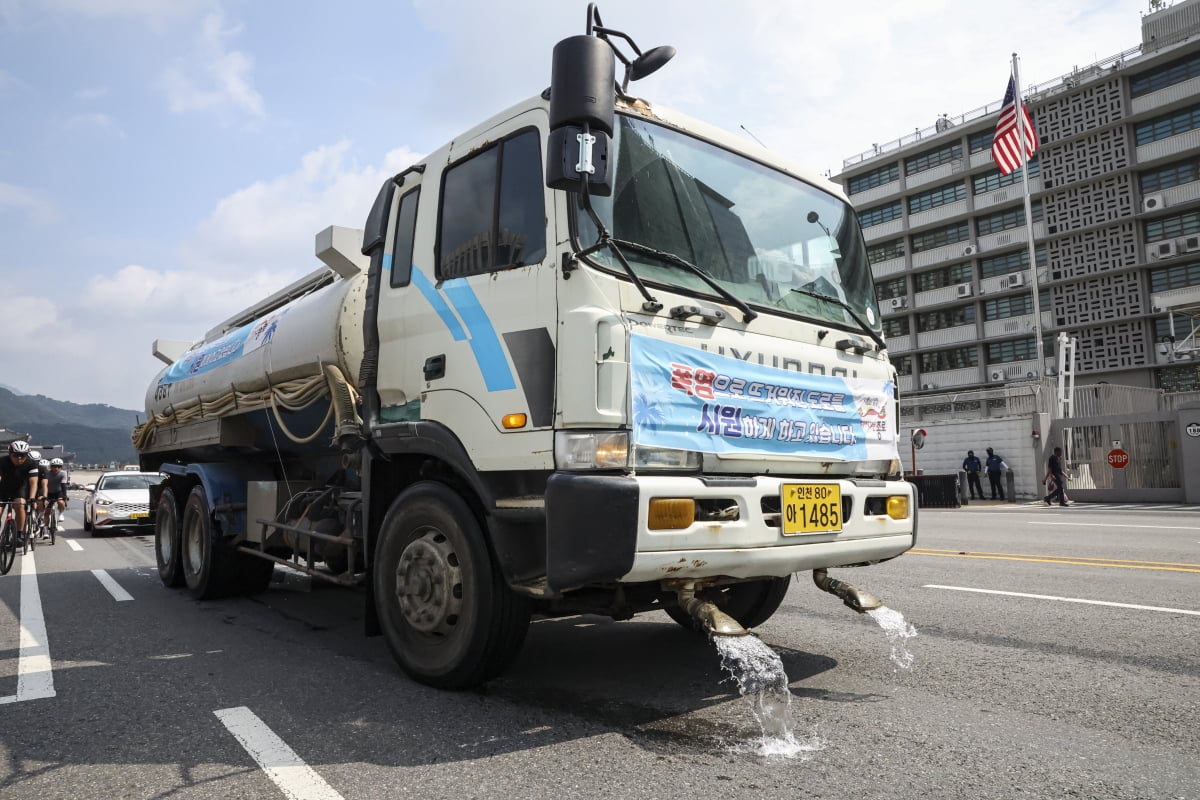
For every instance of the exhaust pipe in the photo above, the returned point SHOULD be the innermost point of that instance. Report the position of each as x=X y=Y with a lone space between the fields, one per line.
x=853 y=597
x=715 y=621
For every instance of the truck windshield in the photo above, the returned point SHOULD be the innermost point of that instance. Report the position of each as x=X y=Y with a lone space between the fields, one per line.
x=760 y=233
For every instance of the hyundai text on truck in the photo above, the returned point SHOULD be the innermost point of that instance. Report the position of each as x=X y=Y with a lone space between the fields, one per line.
x=592 y=356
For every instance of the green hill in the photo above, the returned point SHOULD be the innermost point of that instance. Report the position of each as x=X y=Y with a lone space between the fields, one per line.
x=95 y=433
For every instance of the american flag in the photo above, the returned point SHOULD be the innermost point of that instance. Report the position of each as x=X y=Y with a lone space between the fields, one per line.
x=1006 y=145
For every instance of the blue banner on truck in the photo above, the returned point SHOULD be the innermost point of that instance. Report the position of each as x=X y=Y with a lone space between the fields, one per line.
x=689 y=399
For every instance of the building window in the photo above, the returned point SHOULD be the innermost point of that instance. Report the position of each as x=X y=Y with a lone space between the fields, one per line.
x=932 y=158
x=897 y=287
x=936 y=197
x=1170 y=227
x=903 y=364
x=1162 y=328
x=1178 y=276
x=885 y=251
x=1016 y=305
x=944 y=276
x=1183 y=378
x=896 y=326
x=945 y=318
x=1176 y=174
x=949 y=234
x=953 y=358
x=1015 y=350
x=1010 y=262
x=981 y=140
x=991 y=181
x=876 y=177
x=1186 y=119
x=1166 y=75
x=880 y=214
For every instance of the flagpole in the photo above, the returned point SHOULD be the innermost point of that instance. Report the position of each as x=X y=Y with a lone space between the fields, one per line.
x=1033 y=271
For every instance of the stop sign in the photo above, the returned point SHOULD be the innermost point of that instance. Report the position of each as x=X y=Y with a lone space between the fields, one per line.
x=1118 y=458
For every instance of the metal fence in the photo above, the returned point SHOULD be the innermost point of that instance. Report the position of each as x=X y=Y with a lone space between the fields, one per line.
x=1155 y=467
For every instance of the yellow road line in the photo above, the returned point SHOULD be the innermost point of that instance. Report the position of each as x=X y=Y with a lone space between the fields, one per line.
x=1082 y=561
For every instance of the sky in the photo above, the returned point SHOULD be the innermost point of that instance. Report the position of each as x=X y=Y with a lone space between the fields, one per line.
x=166 y=163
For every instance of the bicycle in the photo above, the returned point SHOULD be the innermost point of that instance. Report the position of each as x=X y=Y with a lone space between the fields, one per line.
x=29 y=535
x=8 y=539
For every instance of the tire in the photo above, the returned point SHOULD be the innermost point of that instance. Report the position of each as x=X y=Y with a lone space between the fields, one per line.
x=8 y=546
x=208 y=566
x=87 y=523
x=448 y=617
x=167 y=546
x=750 y=603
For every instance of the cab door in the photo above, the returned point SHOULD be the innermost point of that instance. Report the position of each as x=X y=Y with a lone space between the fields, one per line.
x=472 y=320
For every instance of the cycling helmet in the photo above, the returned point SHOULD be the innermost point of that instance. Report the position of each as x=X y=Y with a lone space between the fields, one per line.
x=35 y=455
x=19 y=448
x=56 y=462
x=44 y=463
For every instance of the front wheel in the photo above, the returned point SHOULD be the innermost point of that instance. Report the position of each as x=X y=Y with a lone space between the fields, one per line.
x=750 y=603
x=449 y=618
x=8 y=546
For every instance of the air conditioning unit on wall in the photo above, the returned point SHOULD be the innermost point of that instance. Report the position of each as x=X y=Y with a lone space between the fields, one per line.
x=1191 y=244
x=897 y=303
x=1153 y=202
x=996 y=375
x=1165 y=249
x=970 y=250
x=964 y=290
x=928 y=386
x=1016 y=279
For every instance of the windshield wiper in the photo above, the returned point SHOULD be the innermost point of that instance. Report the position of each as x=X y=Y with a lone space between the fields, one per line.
x=839 y=302
x=670 y=258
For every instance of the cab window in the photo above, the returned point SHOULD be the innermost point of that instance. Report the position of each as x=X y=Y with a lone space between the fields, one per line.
x=493 y=212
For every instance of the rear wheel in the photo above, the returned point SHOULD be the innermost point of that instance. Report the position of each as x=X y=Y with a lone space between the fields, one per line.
x=750 y=603
x=207 y=562
x=449 y=618
x=166 y=539
x=8 y=546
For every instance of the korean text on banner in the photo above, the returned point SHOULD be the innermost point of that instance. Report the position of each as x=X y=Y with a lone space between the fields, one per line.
x=689 y=399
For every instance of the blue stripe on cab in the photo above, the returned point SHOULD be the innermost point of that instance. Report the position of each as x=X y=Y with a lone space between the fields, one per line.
x=484 y=342
x=439 y=305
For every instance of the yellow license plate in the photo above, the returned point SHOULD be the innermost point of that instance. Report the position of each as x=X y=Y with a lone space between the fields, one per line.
x=811 y=508
x=139 y=515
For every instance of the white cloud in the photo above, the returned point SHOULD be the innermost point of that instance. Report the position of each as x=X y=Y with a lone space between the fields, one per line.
x=217 y=80
x=95 y=121
x=271 y=224
x=38 y=210
x=92 y=93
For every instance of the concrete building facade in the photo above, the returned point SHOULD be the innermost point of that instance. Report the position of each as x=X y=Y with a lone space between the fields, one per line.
x=1115 y=202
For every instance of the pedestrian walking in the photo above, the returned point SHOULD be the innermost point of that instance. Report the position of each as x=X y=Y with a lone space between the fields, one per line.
x=973 y=466
x=1055 y=480
x=995 y=467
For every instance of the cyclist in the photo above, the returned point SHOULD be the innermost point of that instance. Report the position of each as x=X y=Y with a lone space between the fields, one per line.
x=56 y=489
x=19 y=479
x=39 y=500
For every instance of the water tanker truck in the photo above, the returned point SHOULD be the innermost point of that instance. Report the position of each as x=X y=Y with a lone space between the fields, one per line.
x=592 y=356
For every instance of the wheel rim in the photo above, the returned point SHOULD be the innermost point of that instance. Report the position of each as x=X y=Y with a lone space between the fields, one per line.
x=192 y=544
x=429 y=584
x=166 y=547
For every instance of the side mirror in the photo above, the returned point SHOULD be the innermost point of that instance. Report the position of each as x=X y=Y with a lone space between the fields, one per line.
x=582 y=109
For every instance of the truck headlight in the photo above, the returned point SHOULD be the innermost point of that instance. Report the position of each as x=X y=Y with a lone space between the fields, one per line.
x=581 y=450
x=650 y=458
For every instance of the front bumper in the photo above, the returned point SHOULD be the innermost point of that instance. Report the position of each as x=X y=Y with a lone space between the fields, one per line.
x=598 y=529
